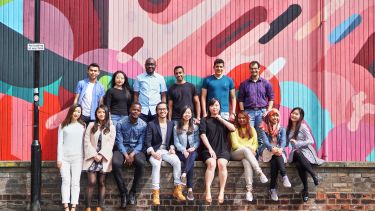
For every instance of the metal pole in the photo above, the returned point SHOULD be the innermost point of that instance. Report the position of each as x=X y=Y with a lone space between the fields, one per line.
x=35 y=146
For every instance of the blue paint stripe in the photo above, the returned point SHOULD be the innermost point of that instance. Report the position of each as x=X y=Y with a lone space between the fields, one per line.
x=342 y=30
x=11 y=14
x=371 y=156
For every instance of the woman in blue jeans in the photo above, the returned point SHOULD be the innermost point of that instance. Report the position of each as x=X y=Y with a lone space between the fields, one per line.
x=186 y=141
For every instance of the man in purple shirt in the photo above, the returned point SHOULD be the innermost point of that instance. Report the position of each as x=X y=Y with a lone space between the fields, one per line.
x=255 y=96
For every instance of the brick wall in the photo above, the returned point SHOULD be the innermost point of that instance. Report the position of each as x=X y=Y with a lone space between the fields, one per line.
x=345 y=186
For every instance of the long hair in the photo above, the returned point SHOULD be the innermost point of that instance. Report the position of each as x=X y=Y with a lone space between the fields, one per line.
x=210 y=103
x=298 y=124
x=69 y=115
x=105 y=126
x=181 y=124
x=125 y=87
x=248 y=133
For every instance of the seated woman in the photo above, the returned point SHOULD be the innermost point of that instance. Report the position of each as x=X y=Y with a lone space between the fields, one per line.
x=98 y=144
x=214 y=130
x=274 y=139
x=186 y=141
x=303 y=154
x=244 y=145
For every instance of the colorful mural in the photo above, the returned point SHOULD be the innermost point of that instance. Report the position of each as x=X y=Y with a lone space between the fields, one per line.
x=319 y=55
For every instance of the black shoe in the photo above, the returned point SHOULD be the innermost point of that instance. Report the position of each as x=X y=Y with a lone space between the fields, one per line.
x=316 y=180
x=305 y=196
x=132 y=198
x=123 y=201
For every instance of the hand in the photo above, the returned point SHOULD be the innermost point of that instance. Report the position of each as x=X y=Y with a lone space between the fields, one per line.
x=232 y=117
x=197 y=121
x=212 y=153
x=156 y=155
x=265 y=113
x=186 y=154
x=293 y=141
x=191 y=149
x=130 y=158
x=59 y=164
x=98 y=158
x=171 y=151
x=204 y=115
x=218 y=117
x=253 y=151
x=274 y=150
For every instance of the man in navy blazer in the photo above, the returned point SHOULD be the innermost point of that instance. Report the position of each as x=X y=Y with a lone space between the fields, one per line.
x=159 y=147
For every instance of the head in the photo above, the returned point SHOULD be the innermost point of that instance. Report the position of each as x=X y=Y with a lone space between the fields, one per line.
x=102 y=119
x=271 y=122
x=219 y=66
x=93 y=71
x=213 y=107
x=118 y=78
x=254 y=68
x=73 y=115
x=273 y=116
x=295 y=120
x=150 y=66
x=179 y=73
x=135 y=110
x=186 y=115
x=162 y=110
x=243 y=121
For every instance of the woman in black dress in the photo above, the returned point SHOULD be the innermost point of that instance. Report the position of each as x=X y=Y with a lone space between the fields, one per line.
x=214 y=132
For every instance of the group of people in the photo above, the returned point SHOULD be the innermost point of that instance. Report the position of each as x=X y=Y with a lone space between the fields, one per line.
x=125 y=126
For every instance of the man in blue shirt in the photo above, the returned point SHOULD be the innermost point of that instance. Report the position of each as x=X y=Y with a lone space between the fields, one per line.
x=130 y=135
x=149 y=90
x=221 y=87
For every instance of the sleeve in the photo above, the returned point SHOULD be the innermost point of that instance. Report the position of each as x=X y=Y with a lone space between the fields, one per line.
x=119 y=140
x=254 y=139
x=231 y=83
x=107 y=148
x=163 y=86
x=148 y=139
x=90 y=150
x=204 y=84
x=196 y=138
x=195 y=92
x=265 y=140
x=282 y=138
x=141 y=140
x=108 y=99
x=241 y=93
x=203 y=126
x=307 y=135
x=102 y=90
x=78 y=88
x=177 y=142
x=136 y=85
x=171 y=140
x=60 y=142
x=234 y=140
x=269 y=91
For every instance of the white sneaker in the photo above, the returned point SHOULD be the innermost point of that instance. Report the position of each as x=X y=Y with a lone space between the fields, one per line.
x=249 y=196
x=263 y=178
x=286 y=182
x=274 y=195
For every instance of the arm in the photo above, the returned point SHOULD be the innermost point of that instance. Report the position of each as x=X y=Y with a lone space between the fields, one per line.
x=177 y=142
x=270 y=105
x=163 y=97
x=308 y=137
x=148 y=139
x=206 y=142
x=241 y=97
x=60 y=142
x=203 y=102
x=76 y=96
x=227 y=124
x=90 y=150
x=77 y=92
x=282 y=138
x=254 y=140
x=265 y=140
x=197 y=107
x=270 y=95
x=107 y=148
x=136 y=96
x=196 y=137
x=241 y=106
x=234 y=140
x=233 y=102
x=120 y=140
x=108 y=99
x=136 y=90
x=141 y=140
x=170 y=109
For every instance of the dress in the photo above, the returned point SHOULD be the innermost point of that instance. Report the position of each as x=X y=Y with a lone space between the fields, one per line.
x=217 y=135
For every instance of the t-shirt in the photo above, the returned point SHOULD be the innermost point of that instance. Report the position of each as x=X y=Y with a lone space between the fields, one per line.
x=219 y=89
x=182 y=95
x=87 y=99
x=163 y=129
x=117 y=101
x=216 y=134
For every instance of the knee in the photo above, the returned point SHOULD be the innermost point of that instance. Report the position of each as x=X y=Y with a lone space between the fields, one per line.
x=211 y=164
x=116 y=164
x=222 y=166
x=102 y=183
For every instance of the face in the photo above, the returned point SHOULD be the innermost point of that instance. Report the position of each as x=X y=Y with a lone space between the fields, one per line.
x=135 y=111
x=162 y=111
x=76 y=113
x=93 y=73
x=215 y=108
x=179 y=74
x=219 y=68
x=150 y=66
x=120 y=79
x=295 y=115
x=187 y=115
x=100 y=113
x=254 y=70
x=274 y=119
x=242 y=121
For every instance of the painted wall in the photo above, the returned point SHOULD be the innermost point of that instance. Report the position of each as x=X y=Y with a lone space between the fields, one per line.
x=319 y=55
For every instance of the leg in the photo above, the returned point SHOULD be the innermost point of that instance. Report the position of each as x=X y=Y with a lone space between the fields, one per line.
x=91 y=181
x=66 y=183
x=155 y=175
x=76 y=169
x=274 y=172
x=117 y=165
x=223 y=174
x=189 y=169
x=248 y=174
x=281 y=165
x=298 y=155
x=209 y=177
x=303 y=175
x=139 y=164
x=101 y=195
x=176 y=164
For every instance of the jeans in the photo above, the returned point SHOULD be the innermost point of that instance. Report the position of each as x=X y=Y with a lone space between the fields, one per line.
x=256 y=117
x=156 y=164
x=116 y=118
x=117 y=164
x=147 y=117
x=188 y=166
x=71 y=174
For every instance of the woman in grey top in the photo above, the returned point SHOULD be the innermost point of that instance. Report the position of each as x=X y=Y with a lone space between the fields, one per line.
x=303 y=154
x=70 y=155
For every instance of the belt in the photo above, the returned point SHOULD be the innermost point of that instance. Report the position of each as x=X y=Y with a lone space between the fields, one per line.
x=255 y=109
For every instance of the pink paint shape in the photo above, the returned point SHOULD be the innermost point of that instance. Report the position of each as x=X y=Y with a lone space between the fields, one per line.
x=55 y=120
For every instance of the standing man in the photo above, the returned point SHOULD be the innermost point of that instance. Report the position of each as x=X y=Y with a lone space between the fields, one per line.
x=181 y=94
x=221 y=87
x=149 y=90
x=255 y=96
x=130 y=134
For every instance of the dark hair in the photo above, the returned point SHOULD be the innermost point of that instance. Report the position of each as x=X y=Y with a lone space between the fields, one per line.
x=180 y=123
x=298 y=124
x=93 y=65
x=254 y=62
x=161 y=102
x=218 y=61
x=125 y=87
x=178 y=67
x=248 y=132
x=210 y=103
x=68 y=118
x=136 y=103
x=106 y=123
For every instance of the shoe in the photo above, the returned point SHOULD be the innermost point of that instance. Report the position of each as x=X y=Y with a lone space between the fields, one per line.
x=263 y=178
x=123 y=201
x=220 y=199
x=155 y=197
x=274 y=195
x=98 y=209
x=286 y=182
x=177 y=193
x=183 y=180
x=316 y=180
x=132 y=200
x=305 y=196
x=249 y=196
x=88 y=209
x=190 y=196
